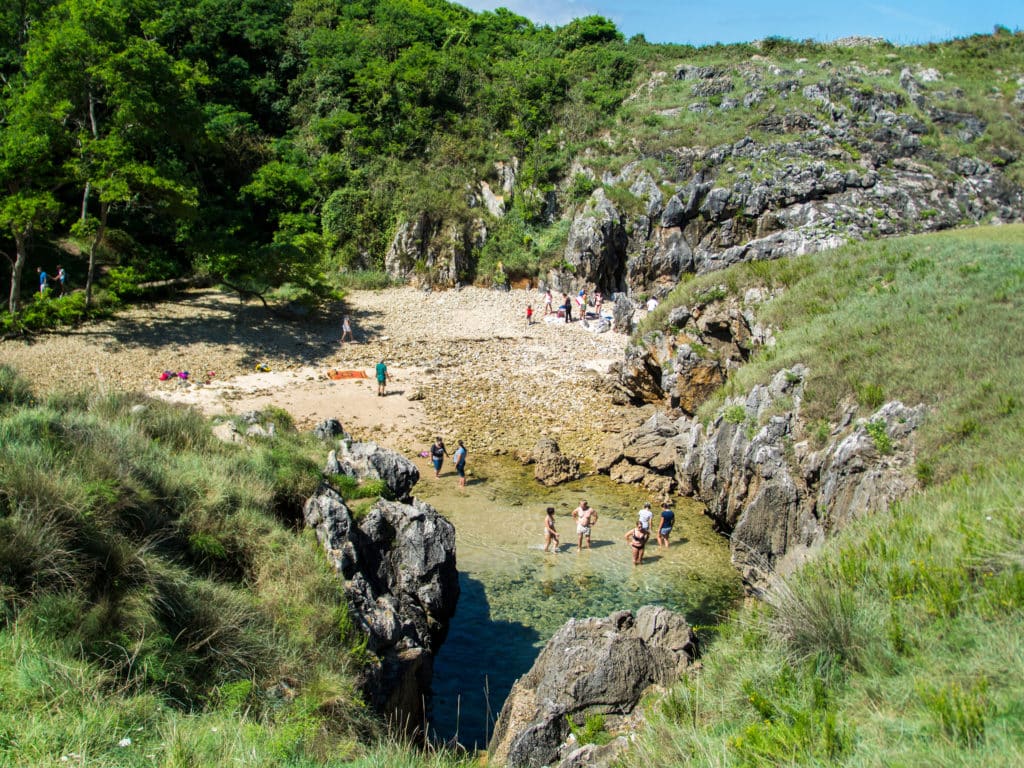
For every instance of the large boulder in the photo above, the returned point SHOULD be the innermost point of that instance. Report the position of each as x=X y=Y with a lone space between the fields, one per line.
x=550 y=465
x=590 y=666
x=401 y=585
x=369 y=461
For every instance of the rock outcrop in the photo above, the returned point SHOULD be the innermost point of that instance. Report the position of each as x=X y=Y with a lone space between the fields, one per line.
x=433 y=251
x=832 y=163
x=402 y=586
x=778 y=485
x=398 y=563
x=369 y=461
x=550 y=465
x=590 y=666
x=696 y=352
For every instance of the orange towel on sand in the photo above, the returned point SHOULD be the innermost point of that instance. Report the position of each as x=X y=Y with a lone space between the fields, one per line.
x=336 y=374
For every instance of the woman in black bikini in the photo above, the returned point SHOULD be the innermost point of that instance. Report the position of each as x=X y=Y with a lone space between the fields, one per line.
x=637 y=538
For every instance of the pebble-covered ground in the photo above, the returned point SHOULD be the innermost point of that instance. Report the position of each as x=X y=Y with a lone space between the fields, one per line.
x=484 y=375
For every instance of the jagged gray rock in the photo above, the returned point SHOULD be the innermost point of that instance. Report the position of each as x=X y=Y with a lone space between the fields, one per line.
x=589 y=666
x=432 y=251
x=369 y=461
x=401 y=585
x=328 y=429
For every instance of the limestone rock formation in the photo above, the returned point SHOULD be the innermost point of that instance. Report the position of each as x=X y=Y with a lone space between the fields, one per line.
x=590 y=666
x=777 y=486
x=328 y=428
x=693 y=357
x=402 y=586
x=550 y=465
x=369 y=461
x=433 y=252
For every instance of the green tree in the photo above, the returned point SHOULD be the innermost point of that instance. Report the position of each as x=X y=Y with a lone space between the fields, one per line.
x=127 y=105
x=28 y=204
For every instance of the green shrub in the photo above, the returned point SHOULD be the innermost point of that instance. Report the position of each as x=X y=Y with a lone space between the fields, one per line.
x=581 y=187
x=591 y=732
x=879 y=435
x=735 y=414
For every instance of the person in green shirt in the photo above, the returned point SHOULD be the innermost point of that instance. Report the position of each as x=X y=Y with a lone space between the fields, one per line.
x=382 y=378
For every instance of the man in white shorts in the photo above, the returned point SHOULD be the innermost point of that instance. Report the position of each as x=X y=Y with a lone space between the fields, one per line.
x=585 y=518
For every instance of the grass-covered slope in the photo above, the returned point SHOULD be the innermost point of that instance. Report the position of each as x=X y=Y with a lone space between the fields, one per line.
x=157 y=604
x=901 y=644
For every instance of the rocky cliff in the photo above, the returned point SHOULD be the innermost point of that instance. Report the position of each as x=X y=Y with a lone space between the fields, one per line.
x=823 y=154
x=590 y=667
x=398 y=563
x=777 y=485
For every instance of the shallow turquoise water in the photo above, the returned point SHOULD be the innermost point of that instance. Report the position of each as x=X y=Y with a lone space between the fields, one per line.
x=515 y=596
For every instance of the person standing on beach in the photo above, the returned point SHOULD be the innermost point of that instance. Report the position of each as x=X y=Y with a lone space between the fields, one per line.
x=437 y=454
x=61 y=279
x=382 y=378
x=567 y=307
x=547 y=302
x=585 y=517
x=550 y=534
x=459 y=457
x=346 y=329
x=43 y=277
x=529 y=314
x=668 y=519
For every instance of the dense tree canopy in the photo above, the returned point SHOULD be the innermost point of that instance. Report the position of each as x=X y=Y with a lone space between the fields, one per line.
x=267 y=141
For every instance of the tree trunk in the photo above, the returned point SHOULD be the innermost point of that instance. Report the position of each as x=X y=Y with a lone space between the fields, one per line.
x=20 y=255
x=93 y=247
x=85 y=200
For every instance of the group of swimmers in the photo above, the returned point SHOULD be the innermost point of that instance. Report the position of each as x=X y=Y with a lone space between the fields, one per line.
x=585 y=517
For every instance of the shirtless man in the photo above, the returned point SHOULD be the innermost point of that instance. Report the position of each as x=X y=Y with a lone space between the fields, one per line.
x=585 y=518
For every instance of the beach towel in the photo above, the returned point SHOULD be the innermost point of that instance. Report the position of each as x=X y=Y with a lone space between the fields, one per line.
x=336 y=374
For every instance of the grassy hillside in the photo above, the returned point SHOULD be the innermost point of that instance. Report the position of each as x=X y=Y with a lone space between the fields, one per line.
x=158 y=604
x=144 y=598
x=745 y=85
x=901 y=644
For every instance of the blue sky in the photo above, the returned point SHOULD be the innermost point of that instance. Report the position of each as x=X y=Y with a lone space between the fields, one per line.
x=699 y=23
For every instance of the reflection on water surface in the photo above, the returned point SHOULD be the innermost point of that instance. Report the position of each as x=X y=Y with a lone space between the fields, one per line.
x=515 y=596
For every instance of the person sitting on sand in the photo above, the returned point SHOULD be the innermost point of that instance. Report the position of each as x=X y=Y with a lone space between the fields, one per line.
x=550 y=534
x=636 y=537
x=585 y=517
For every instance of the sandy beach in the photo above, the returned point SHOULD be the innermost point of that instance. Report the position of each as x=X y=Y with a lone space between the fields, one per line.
x=463 y=364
